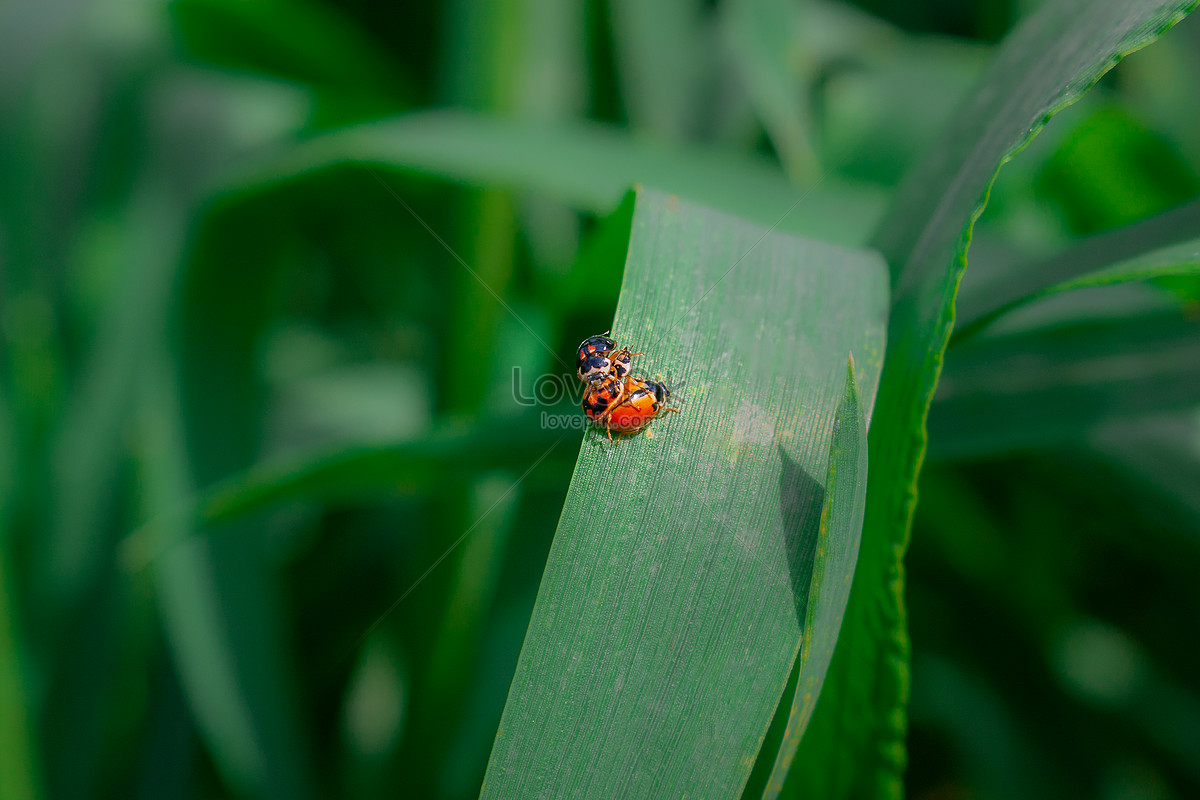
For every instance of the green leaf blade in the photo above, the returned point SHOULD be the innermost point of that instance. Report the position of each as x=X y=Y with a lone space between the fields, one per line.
x=836 y=554
x=588 y=166
x=1162 y=246
x=1051 y=386
x=671 y=609
x=855 y=746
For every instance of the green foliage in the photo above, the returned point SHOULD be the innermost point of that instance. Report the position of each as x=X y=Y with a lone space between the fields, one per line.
x=857 y=742
x=837 y=549
x=288 y=308
x=680 y=633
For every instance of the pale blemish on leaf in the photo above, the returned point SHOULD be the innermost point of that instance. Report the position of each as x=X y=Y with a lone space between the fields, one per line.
x=753 y=425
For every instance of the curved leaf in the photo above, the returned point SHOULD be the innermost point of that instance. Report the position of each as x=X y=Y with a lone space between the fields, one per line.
x=349 y=474
x=673 y=602
x=1157 y=247
x=318 y=45
x=855 y=745
x=588 y=166
x=836 y=554
x=1046 y=387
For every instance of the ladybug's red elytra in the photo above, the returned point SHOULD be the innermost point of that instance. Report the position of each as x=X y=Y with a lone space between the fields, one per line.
x=642 y=402
x=602 y=397
x=626 y=406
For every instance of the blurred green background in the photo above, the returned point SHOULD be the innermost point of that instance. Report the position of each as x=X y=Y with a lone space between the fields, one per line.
x=181 y=309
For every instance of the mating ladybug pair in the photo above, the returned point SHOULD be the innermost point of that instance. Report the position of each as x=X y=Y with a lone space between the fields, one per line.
x=614 y=399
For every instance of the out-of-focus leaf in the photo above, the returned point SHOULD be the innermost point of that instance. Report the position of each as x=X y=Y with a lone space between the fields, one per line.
x=1113 y=171
x=778 y=70
x=589 y=166
x=836 y=553
x=1094 y=263
x=983 y=295
x=218 y=594
x=885 y=93
x=661 y=62
x=298 y=40
x=673 y=603
x=855 y=743
x=237 y=715
x=19 y=778
x=1045 y=387
x=91 y=441
x=1162 y=454
x=350 y=475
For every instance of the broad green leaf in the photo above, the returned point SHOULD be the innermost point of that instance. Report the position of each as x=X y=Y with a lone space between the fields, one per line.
x=589 y=166
x=1160 y=246
x=674 y=599
x=1044 y=387
x=836 y=553
x=855 y=743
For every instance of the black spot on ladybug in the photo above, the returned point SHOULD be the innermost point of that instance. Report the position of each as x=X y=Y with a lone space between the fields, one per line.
x=594 y=368
x=661 y=392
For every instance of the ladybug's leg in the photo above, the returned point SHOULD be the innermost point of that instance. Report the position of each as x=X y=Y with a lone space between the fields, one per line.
x=676 y=410
x=616 y=401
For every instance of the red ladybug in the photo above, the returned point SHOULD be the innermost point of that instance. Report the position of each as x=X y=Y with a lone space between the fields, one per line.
x=602 y=397
x=628 y=406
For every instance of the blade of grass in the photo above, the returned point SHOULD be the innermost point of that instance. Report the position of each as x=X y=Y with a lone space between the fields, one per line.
x=19 y=778
x=318 y=45
x=214 y=662
x=660 y=49
x=1163 y=456
x=19 y=760
x=349 y=475
x=219 y=595
x=589 y=166
x=1159 y=246
x=1044 y=388
x=836 y=554
x=777 y=70
x=855 y=744
x=90 y=444
x=672 y=606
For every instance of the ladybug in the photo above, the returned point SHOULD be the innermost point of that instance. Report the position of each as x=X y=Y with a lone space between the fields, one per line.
x=598 y=359
x=640 y=402
x=595 y=345
x=602 y=397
